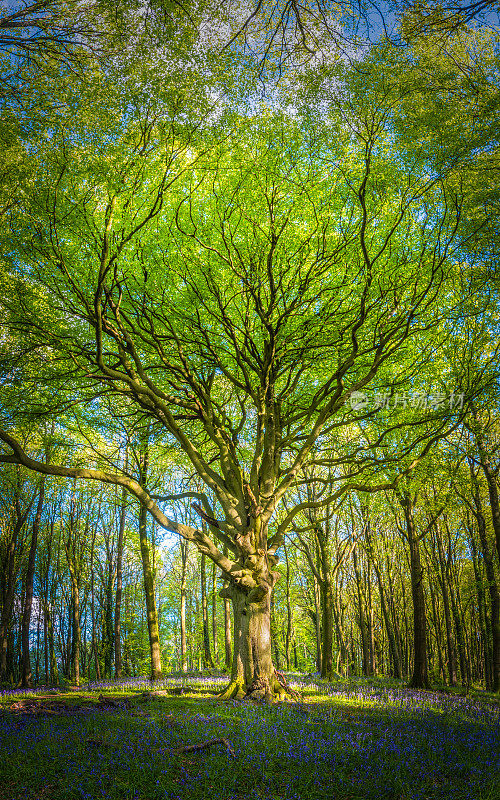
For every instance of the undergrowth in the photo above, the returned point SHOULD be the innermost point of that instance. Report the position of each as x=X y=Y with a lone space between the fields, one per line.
x=346 y=741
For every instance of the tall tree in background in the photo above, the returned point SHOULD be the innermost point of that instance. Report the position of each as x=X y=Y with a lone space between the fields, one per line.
x=28 y=595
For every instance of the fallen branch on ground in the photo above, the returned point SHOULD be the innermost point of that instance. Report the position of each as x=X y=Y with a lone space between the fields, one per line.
x=194 y=748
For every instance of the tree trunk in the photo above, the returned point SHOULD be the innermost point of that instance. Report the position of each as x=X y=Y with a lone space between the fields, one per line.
x=9 y=585
x=70 y=641
x=152 y=616
x=83 y=648
x=253 y=674
x=45 y=648
x=214 y=612
x=184 y=556
x=361 y=619
x=396 y=661
x=450 y=645
x=437 y=630
x=420 y=676
x=339 y=625
x=405 y=643
x=54 y=673
x=108 y=620
x=228 y=645
x=492 y=585
x=490 y=480
x=464 y=671
x=275 y=653
x=92 y=611
x=119 y=585
x=393 y=616
x=75 y=622
x=37 y=659
x=481 y=603
x=147 y=571
x=327 y=669
x=371 y=624
x=326 y=593
x=49 y=645
x=207 y=655
x=317 y=623
x=289 y=623
x=26 y=679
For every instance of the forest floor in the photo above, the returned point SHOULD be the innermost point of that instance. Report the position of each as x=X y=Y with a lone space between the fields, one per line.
x=350 y=740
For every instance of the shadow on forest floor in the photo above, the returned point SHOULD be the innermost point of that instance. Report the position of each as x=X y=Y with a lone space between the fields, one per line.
x=347 y=741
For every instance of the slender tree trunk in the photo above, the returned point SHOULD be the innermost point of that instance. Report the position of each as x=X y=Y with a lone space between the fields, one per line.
x=74 y=560
x=396 y=661
x=460 y=638
x=228 y=642
x=8 y=573
x=443 y=580
x=317 y=624
x=326 y=592
x=59 y=634
x=492 y=585
x=356 y=662
x=147 y=571
x=393 y=615
x=420 y=676
x=207 y=655
x=361 y=619
x=481 y=603
x=108 y=620
x=70 y=641
x=26 y=679
x=83 y=647
x=437 y=630
x=37 y=659
x=214 y=611
x=152 y=617
x=45 y=647
x=119 y=585
x=327 y=669
x=371 y=631
x=75 y=622
x=289 y=624
x=92 y=611
x=476 y=648
x=405 y=643
x=54 y=673
x=490 y=480
x=339 y=625
x=184 y=556
x=228 y=645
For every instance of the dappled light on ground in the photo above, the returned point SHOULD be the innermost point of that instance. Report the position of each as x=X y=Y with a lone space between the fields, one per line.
x=347 y=740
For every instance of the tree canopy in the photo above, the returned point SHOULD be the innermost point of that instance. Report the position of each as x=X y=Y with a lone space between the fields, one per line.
x=239 y=270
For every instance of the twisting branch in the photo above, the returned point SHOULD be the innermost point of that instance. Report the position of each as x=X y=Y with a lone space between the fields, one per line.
x=198 y=537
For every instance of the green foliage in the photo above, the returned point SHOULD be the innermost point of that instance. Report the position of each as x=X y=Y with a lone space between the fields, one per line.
x=224 y=265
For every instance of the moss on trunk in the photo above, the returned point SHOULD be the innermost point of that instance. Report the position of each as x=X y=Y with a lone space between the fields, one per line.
x=253 y=675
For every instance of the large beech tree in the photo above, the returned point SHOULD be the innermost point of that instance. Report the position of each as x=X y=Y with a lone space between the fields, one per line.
x=236 y=285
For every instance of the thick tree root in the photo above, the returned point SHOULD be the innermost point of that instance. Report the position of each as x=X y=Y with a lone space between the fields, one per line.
x=261 y=690
x=265 y=690
x=235 y=690
x=287 y=689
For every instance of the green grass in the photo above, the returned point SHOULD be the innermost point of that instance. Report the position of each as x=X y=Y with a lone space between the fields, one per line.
x=350 y=741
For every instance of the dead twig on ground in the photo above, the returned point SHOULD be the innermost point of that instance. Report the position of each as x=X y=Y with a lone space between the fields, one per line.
x=195 y=748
